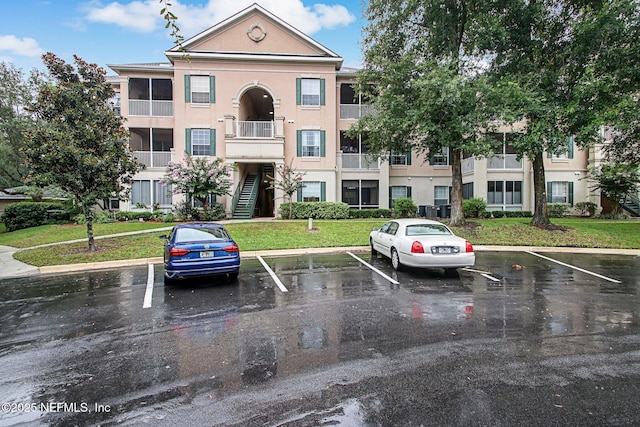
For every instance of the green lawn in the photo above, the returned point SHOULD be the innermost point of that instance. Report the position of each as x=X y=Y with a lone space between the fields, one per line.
x=294 y=234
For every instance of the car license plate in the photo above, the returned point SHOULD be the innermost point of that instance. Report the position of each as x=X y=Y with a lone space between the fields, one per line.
x=207 y=254
x=444 y=250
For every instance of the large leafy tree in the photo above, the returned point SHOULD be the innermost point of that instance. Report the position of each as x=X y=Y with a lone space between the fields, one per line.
x=78 y=143
x=17 y=91
x=199 y=177
x=618 y=182
x=566 y=57
x=424 y=71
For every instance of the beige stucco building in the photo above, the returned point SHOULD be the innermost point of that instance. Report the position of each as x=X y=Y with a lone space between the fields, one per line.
x=258 y=93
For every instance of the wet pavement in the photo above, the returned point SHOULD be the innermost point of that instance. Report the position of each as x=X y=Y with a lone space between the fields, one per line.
x=521 y=339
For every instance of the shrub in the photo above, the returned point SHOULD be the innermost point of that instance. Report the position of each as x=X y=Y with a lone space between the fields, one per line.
x=316 y=210
x=215 y=212
x=185 y=212
x=586 y=208
x=369 y=213
x=474 y=208
x=133 y=215
x=404 y=208
x=557 y=210
x=32 y=214
x=498 y=214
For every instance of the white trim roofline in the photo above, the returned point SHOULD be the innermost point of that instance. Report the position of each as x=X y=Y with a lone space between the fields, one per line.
x=180 y=51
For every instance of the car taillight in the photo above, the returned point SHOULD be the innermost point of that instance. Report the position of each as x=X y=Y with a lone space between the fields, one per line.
x=232 y=248
x=417 y=248
x=468 y=246
x=178 y=251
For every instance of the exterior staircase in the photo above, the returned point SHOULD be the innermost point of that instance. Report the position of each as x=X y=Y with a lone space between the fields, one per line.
x=632 y=206
x=245 y=199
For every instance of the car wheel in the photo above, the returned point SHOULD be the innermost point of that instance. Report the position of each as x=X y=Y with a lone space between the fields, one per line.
x=233 y=277
x=169 y=282
x=395 y=260
x=451 y=272
x=373 y=251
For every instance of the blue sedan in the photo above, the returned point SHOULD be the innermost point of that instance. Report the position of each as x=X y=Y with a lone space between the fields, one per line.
x=200 y=249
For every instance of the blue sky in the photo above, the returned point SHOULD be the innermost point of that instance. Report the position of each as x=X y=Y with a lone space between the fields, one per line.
x=128 y=31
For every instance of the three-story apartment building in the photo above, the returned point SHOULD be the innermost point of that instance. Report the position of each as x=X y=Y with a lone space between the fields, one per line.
x=258 y=93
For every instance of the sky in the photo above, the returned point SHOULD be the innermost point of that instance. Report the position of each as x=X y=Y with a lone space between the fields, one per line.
x=132 y=31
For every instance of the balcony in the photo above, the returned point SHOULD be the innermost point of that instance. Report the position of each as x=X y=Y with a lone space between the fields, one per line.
x=145 y=107
x=255 y=130
x=359 y=161
x=355 y=111
x=505 y=161
x=467 y=165
x=153 y=159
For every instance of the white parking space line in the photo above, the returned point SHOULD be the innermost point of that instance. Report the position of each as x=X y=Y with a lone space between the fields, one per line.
x=148 y=293
x=272 y=274
x=395 y=282
x=488 y=276
x=574 y=267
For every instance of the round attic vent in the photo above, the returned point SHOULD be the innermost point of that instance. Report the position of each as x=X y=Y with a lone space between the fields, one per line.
x=256 y=32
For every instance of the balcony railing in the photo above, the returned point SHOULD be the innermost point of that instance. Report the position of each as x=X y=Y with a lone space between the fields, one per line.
x=506 y=161
x=359 y=161
x=467 y=165
x=153 y=159
x=145 y=107
x=355 y=111
x=254 y=129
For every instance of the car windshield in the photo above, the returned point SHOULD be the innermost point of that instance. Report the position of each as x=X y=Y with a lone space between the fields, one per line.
x=426 y=229
x=200 y=234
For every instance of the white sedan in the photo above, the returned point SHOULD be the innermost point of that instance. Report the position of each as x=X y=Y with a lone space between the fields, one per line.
x=423 y=243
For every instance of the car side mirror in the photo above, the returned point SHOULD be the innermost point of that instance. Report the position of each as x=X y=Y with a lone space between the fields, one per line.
x=164 y=237
x=376 y=228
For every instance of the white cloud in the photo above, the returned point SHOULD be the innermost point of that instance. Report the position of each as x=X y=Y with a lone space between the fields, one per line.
x=144 y=16
x=24 y=47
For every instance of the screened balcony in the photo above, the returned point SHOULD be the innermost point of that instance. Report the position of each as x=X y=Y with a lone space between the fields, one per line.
x=150 y=97
x=151 y=147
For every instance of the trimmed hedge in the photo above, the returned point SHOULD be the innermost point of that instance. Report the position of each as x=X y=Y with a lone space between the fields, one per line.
x=369 y=213
x=32 y=214
x=315 y=210
x=509 y=214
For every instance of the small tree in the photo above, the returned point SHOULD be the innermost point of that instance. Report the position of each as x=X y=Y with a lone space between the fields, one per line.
x=616 y=181
x=198 y=177
x=78 y=143
x=289 y=181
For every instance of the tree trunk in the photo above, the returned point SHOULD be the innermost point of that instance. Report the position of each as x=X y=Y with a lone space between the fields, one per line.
x=88 y=217
x=457 y=213
x=540 y=190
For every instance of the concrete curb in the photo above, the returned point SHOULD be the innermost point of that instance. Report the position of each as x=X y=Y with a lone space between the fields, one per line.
x=70 y=268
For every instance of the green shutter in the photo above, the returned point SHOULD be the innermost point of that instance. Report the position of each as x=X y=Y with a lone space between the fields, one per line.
x=187 y=88
x=322 y=91
x=390 y=199
x=323 y=143
x=323 y=191
x=212 y=142
x=430 y=159
x=298 y=91
x=571 y=144
x=212 y=89
x=299 y=194
x=409 y=158
x=409 y=191
x=450 y=156
x=549 y=193
x=299 y=143
x=187 y=141
x=571 y=193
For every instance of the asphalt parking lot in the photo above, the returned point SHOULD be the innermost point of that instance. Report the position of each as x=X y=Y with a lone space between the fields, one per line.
x=337 y=339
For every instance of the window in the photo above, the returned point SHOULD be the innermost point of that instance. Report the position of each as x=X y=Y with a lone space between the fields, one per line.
x=360 y=194
x=398 y=192
x=312 y=192
x=199 y=89
x=200 y=142
x=560 y=192
x=467 y=191
x=440 y=157
x=310 y=92
x=311 y=143
x=441 y=195
x=564 y=154
x=149 y=193
x=400 y=159
x=504 y=192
